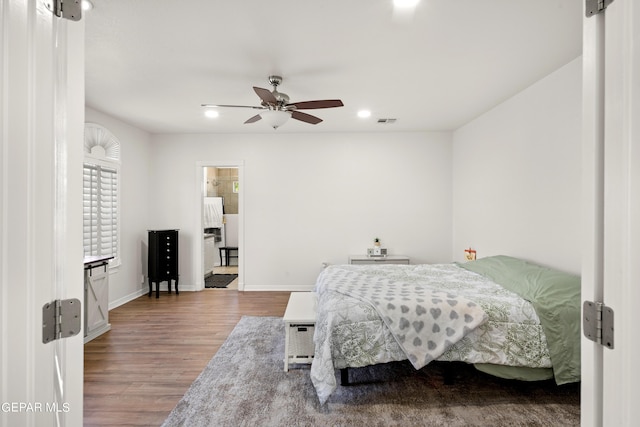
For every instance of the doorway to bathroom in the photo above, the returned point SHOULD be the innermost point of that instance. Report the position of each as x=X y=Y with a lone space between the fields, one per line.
x=221 y=211
x=221 y=227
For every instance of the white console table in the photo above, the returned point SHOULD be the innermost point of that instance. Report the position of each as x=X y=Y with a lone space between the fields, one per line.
x=96 y=296
x=368 y=260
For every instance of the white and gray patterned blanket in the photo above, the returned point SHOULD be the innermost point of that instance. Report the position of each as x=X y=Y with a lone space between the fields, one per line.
x=351 y=333
x=424 y=322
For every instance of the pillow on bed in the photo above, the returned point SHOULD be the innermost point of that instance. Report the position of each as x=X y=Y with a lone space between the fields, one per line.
x=522 y=276
x=554 y=294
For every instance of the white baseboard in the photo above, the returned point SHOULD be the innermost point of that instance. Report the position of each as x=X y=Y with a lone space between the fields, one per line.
x=127 y=298
x=145 y=291
x=192 y=288
x=96 y=333
x=297 y=288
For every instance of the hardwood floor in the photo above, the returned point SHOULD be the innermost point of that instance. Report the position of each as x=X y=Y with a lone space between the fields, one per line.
x=137 y=372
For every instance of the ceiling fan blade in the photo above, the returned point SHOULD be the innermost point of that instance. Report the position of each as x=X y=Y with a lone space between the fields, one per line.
x=231 y=106
x=253 y=119
x=304 y=117
x=265 y=95
x=310 y=105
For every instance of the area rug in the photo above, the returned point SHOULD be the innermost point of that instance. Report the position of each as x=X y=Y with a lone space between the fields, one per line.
x=219 y=280
x=244 y=384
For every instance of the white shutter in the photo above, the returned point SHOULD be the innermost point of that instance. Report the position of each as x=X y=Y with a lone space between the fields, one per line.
x=100 y=210
x=90 y=209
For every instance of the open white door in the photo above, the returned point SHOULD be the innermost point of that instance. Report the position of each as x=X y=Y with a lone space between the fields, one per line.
x=41 y=127
x=611 y=160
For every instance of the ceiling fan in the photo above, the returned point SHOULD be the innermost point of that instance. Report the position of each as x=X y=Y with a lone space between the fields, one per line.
x=277 y=109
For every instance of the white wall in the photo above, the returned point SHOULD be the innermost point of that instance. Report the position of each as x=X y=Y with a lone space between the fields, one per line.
x=136 y=184
x=312 y=198
x=506 y=183
x=516 y=175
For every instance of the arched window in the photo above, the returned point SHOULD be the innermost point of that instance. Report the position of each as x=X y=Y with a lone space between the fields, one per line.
x=101 y=193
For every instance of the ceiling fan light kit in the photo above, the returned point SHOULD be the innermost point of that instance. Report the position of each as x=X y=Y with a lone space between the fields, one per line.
x=275 y=118
x=278 y=109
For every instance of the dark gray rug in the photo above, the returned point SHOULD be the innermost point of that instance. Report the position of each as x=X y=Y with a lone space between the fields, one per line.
x=219 y=280
x=244 y=385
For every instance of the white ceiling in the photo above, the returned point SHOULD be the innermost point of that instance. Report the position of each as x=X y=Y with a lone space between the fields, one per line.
x=152 y=63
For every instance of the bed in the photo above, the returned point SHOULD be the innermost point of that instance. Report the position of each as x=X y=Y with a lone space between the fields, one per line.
x=507 y=316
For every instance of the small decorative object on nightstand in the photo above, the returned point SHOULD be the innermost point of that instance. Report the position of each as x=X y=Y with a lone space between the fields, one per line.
x=470 y=254
x=377 y=250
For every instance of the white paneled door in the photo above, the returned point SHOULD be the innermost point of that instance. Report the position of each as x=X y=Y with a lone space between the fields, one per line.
x=611 y=171
x=41 y=126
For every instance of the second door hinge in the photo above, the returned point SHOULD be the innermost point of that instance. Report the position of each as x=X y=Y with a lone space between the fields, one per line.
x=68 y=9
x=60 y=319
x=597 y=323
x=593 y=7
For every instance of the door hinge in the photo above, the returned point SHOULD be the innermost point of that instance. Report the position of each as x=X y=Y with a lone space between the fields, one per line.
x=597 y=323
x=60 y=319
x=593 y=7
x=68 y=9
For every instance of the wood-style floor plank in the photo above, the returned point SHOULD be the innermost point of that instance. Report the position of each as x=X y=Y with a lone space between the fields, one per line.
x=137 y=372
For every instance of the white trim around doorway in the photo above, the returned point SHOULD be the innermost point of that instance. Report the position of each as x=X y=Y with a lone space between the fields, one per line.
x=198 y=262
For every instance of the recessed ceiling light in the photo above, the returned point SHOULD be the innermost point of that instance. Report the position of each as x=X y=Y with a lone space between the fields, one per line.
x=86 y=5
x=212 y=114
x=364 y=114
x=405 y=3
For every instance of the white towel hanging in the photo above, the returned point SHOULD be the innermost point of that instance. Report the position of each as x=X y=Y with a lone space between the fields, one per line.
x=213 y=212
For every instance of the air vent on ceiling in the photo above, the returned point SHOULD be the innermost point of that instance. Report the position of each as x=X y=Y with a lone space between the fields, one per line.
x=388 y=121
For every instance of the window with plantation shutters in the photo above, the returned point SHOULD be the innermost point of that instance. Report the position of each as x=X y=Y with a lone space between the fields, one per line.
x=101 y=198
x=100 y=210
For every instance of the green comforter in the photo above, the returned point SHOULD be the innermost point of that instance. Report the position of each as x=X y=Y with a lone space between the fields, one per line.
x=556 y=298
